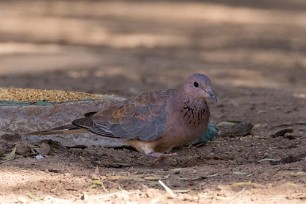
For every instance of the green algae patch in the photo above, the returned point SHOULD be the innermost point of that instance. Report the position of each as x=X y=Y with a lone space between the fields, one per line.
x=24 y=103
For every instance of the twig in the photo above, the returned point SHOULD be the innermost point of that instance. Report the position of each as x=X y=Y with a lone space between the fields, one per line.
x=297 y=196
x=289 y=124
x=109 y=195
x=104 y=188
x=235 y=196
x=244 y=184
x=171 y=193
x=267 y=159
x=232 y=197
x=56 y=200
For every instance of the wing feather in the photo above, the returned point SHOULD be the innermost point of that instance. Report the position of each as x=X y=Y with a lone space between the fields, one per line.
x=142 y=118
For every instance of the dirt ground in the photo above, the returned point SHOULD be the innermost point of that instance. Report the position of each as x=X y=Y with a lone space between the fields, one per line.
x=254 y=52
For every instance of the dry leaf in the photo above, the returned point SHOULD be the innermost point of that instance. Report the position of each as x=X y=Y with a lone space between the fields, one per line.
x=181 y=191
x=154 y=178
x=96 y=183
x=9 y=156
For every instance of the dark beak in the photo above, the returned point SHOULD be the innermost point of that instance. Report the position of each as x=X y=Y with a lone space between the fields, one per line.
x=212 y=95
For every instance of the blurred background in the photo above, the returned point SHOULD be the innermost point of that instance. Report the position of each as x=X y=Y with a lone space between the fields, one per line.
x=125 y=47
x=254 y=51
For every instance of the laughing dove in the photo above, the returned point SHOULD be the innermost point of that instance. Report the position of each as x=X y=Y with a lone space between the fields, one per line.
x=153 y=122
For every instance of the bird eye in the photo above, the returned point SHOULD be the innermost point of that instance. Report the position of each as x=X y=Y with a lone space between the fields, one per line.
x=195 y=84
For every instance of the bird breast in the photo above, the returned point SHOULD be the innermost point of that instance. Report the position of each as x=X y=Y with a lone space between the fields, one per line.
x=187 y=123
x=194 y=114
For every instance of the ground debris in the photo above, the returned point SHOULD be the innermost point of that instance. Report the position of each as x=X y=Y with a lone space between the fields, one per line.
x=282 y=132
x=9 y=156
x=289 y=159
x=234 y=129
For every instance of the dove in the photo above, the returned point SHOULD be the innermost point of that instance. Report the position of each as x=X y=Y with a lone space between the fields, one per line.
x=152 y=122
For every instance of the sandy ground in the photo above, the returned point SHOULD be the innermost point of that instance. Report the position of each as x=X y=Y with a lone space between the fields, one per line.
x=254 y=52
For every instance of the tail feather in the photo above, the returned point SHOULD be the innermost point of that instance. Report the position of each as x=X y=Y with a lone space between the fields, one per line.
x=65 y=129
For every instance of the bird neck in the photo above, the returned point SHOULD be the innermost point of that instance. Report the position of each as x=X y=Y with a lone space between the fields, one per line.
x=193 y=111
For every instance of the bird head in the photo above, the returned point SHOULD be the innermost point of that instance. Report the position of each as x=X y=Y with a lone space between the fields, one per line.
x=200 y=86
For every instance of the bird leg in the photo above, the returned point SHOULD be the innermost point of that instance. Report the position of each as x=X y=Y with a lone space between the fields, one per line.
x=160 y=158
x=160 y=155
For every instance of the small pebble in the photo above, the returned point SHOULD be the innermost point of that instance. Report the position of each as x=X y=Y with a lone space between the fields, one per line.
x=22 y=149
x=39 y=157
x=44 y=149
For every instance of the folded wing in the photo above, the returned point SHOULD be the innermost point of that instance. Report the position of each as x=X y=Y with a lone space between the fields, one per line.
x=142 y=118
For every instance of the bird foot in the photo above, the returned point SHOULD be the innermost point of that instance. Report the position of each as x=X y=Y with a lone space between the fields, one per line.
x=162 y=159
x=161 y=155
